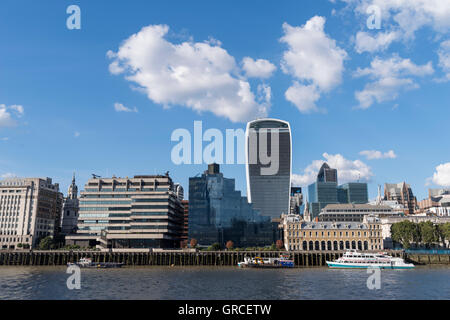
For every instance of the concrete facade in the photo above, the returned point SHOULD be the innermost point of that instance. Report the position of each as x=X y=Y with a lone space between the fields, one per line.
x=139 y=212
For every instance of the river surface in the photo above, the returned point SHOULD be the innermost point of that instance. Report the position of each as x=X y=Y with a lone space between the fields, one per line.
x=211 y=283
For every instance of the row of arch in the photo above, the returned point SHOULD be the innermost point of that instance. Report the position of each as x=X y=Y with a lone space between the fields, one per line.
x=333 y=245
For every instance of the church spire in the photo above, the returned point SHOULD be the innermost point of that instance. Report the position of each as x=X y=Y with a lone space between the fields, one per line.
x=73 y=189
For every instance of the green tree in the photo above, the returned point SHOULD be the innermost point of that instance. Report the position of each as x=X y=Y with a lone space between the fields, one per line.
x=46 y=243
x=215 y=247
x=444 y=231
x=428 y=233
x=405 y=232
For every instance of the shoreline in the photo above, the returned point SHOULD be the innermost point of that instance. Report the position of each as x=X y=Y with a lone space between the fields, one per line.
x=302 y=259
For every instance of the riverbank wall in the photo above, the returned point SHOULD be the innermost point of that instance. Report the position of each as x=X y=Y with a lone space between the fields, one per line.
x=183 y=258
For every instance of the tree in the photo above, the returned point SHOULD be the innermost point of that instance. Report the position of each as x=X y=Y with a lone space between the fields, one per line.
x=405 y=232
x=215 y=247
x=46 y=243
x=194 y=242
x=428 y=233
x=279 y=244
x=444 y=231
x=230 y=245
x=183 y=244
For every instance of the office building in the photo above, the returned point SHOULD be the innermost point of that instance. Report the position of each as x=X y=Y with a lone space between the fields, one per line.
x=69 y=216
x=353 y=212
x=185 y=234
x=268 y=185
x=402 y=193
x=218 y=213
x=30 y=209
x=296 y=200
x=323 y=191
x=353 y=192
x=140 y=212
x=434 y=198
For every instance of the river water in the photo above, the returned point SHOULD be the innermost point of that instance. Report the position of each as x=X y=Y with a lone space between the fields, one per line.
x=210 y=283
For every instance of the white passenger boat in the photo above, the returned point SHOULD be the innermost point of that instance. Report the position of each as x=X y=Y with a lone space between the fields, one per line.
x=87 y=263
x=355 y=259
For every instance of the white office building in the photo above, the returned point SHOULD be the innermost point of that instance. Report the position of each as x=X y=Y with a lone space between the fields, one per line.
x=30 y=209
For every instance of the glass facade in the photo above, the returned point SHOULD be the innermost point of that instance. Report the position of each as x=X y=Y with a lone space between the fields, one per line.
x=270 y=194
x=218 y=213
x=321 y=194
x=354 y=192
x=325 y=191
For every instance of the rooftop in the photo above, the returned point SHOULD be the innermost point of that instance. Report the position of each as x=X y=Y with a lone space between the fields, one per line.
x=352 y=206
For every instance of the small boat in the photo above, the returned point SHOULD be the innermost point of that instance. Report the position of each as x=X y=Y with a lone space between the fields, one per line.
x=258 y=262
x=355 y=259
x=87 y=263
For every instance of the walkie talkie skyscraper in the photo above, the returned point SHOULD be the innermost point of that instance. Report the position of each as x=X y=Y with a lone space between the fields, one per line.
x=268 y=166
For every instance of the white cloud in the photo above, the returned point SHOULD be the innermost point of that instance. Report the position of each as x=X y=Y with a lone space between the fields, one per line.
x=442 y=175
x=389 y=77
x=7 y=175
x=403 y=18
x=348 y=170
x=8 y=113
x=313 y=58
x=76 y=134
x=444 y=59
x=260 y=68
x=121 y=108
x=4 y=139
x=375 y=154
x=382 y=40
x=201 y=76
x=304 y=97
x=409 y=15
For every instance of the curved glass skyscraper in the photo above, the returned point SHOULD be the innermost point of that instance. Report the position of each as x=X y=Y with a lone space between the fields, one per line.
x=268 y=165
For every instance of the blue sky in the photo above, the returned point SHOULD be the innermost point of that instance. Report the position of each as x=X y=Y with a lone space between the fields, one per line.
x=58 y=90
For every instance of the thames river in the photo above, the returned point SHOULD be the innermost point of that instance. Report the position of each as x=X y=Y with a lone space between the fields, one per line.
x=210 y=283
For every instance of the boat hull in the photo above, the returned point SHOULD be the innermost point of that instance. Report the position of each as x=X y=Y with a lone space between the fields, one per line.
x=102 y=265
x=264 y=266
x=335 y=265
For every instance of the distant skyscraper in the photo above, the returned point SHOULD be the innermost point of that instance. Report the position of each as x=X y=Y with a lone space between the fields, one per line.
x=402 y=193
x=323 y=191
x=353 y=192
x=327 y=174
x=296 y=200
x=218 y=213
x=269 y=192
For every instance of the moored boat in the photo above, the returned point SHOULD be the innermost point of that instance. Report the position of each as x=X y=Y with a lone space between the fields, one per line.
x=355 y=259
x=258 y=262
x=87 y=263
